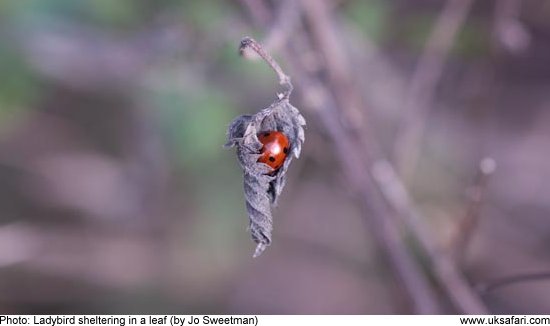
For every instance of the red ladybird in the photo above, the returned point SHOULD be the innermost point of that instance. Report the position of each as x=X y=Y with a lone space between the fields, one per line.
x=275 y=149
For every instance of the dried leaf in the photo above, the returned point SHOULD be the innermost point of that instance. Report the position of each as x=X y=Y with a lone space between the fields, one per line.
x=262 y=187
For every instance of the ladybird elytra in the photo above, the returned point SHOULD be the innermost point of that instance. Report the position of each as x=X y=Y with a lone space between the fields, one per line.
x=275 y=148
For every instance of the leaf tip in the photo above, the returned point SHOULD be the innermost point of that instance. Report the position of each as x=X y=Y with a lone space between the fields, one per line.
x=260 y=248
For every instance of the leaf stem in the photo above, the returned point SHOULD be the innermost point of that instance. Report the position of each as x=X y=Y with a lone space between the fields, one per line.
x=250 y=43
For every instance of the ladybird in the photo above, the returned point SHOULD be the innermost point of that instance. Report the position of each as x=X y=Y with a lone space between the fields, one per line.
x=275 y=149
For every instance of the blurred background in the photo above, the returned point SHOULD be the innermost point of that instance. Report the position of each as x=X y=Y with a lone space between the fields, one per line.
x=116 y=195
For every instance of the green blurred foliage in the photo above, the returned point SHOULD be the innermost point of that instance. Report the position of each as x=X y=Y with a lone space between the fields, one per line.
x=370 y=16
x=194 y=115
x=19 y=87
x=195 y=119
x=102 y=14
x=415 y=29
x=377 y=20
x=197 y=124
x=474 y=40
x=206 y=15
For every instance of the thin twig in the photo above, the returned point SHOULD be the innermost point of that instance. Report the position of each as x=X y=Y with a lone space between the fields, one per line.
x=376 y=214
x=339 y=71
x=445 y=271
x=285 y=22
x=330 y=109
x=449 y=278
x=419 y=97
x=514 y=279
x=467 y=225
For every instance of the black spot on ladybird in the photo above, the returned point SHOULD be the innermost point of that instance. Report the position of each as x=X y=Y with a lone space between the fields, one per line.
x=266 y=134
x=271 y=159
x=285 y=150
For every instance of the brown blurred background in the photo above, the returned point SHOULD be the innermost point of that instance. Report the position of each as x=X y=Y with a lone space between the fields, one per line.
x=116 y=195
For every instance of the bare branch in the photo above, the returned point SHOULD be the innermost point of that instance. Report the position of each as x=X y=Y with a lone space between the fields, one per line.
x=392 y=189
x=377 y=216
x=445 y=271
x=468 y=224
x=510 y=280
x=419 y=97
x=339 y=71
x=285 y=22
